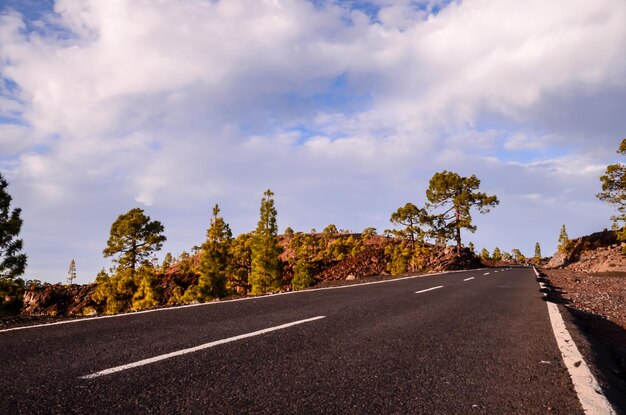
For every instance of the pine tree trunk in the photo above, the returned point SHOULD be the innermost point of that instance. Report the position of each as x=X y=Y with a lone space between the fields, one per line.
x=458 y=233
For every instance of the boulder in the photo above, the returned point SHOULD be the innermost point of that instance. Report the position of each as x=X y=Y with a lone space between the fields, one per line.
x=558 y=260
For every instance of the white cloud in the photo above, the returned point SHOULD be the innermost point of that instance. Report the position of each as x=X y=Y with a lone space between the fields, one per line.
x=179 y=105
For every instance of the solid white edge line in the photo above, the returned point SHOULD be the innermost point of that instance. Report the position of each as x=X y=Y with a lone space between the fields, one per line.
x=429 y=289
x=589 y=393
x=195 y=349
x=467 y=279
x=174 y=308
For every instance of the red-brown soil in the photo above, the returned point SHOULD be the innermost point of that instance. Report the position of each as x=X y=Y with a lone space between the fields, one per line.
x=602 y=294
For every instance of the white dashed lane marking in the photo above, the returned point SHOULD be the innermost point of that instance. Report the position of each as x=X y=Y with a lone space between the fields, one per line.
x=428 y=289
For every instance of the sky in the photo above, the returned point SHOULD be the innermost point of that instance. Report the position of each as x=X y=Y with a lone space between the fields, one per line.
x=345 y=109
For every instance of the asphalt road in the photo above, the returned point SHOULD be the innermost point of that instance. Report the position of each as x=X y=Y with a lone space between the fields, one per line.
x=482 y=345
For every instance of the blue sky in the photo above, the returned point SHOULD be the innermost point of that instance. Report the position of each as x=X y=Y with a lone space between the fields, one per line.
x=344 y=109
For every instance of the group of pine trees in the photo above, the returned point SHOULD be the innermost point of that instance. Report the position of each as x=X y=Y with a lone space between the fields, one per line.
x=450 y=200
x=222 y=263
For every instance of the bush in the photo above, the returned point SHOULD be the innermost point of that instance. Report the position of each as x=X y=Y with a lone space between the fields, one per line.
x=302 y=275
x=11 y=295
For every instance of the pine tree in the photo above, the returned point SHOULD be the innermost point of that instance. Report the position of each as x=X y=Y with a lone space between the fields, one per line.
x=134 y=237
x=484 y=255
x=412 y=218
x=471 y=247
x=240 y=262
x=330 y=231
x=115 y=293
x=537 y=252
x=302 y=275
x=71 y=272
x=614 y=185
x=399 y=255
x=563 y=239
x=305 y=248
x=456 y=196
x=265 y=275
x=12 y=261
x=497 y=254
x=167 y=262
x=214 y=259
x=368 y=233
x=517 y=255
x=145 y=295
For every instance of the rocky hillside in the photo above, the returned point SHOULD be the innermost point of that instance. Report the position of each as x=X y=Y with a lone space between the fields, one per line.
x=598 y=252
x=59 y=300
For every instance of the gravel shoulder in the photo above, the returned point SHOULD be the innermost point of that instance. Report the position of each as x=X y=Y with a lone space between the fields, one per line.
x=594 y=309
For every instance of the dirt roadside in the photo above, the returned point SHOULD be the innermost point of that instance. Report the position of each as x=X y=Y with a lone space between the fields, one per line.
x=594 y=309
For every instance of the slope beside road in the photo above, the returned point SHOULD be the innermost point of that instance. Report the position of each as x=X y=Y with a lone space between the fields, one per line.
x=465 y=342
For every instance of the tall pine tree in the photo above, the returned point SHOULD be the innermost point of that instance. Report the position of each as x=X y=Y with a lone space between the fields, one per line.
x=454 y=197
x=71 y=272
x=214 y=259
x=265 y=274
x=12 y=260
x=537 y=252
x=134 y=237
x=563 y=239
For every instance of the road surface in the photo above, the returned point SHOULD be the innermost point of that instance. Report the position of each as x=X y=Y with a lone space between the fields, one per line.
x=458 y=343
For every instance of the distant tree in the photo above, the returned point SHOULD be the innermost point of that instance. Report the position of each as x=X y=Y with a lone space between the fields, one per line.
x=289 y=232
x=399 y=254
x=71 y=272
x=167 y=262
x=134 y=237
x=214 y=259
x=563 y=239
x=115 y=292
x=537 y=252
x=240 y=262
x=484 y=255
x=411 y=217
x=506 y=256
x=471 y=247
x=302 y=275
x=145 y=295
x=329 y=231
x=265 y=275
x=497 y=254
x=12 y=260
x=306 y=249
x=456 y=196
x=356 y=245
x=517 y=255
x=186 y=264
x=367 y=233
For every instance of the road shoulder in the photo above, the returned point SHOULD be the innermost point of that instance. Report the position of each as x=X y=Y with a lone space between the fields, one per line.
x=600 y=341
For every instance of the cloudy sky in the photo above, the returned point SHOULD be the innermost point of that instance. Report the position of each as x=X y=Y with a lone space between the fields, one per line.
x=345 y=109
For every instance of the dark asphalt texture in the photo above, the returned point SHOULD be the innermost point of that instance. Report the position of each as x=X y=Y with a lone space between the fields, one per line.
x=483 y=346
